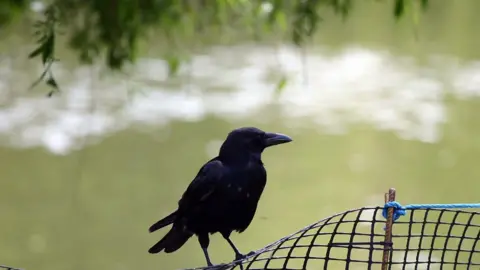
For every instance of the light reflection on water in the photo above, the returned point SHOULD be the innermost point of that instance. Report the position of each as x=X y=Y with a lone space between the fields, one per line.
x=354 y=86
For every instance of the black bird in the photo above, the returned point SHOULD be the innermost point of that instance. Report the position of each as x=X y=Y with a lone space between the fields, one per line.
x=224 y=195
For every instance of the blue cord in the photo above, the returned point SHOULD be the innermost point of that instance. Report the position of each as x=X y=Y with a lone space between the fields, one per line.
x=400 y=210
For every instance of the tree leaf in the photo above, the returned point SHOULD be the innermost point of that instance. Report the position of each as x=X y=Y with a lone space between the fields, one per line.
x=48 y=48
x=399 y=8
x=52 y=83
x=282 y=83
x=36 y=52
x=424 y=4
x=173 y=65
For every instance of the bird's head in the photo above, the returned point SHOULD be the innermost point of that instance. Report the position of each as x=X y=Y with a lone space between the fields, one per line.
x=251 y=139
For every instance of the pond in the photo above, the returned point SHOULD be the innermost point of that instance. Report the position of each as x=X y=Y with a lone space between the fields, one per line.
x=373 y=104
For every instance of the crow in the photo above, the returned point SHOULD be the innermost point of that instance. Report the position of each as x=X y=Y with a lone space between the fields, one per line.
x=224 y=195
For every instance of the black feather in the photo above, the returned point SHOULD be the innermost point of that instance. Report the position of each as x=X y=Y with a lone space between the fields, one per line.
x=171 y=242
x=163 y=222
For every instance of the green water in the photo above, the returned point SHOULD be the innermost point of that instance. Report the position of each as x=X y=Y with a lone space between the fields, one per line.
x=90 y=208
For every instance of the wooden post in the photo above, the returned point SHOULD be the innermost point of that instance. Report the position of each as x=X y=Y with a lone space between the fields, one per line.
x=388 y=230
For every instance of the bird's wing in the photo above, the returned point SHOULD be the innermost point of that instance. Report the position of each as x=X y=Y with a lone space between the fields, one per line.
x=203 y=186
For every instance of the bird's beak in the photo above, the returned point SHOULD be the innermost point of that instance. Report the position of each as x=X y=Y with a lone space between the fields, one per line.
x=276 y=138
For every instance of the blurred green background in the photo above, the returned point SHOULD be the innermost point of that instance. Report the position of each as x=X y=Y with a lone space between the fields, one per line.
x=372 y=103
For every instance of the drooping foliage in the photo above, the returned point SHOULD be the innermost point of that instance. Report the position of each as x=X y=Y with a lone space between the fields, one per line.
x=113 y=29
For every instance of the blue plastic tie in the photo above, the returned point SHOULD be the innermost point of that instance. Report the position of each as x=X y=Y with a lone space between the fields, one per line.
x=400 y=210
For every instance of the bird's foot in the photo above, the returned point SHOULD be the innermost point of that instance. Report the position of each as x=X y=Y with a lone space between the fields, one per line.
x=240 y=256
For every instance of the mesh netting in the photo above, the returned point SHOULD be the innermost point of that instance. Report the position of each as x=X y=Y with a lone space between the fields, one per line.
x=423 y=239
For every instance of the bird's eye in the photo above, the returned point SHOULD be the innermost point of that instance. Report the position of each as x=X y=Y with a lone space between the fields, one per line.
x=261 y=137
x=256 y=139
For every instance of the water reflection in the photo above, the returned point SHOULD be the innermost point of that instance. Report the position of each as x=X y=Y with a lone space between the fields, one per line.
x=355 y=85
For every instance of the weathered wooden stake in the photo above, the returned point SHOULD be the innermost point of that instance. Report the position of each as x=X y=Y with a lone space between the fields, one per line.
x=388 y=229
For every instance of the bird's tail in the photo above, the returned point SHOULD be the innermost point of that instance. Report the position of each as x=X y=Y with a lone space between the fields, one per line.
x=171 y=242
x=163 y=222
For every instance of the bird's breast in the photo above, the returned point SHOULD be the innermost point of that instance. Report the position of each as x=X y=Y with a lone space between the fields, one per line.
x=243 y=193
x=234 y=201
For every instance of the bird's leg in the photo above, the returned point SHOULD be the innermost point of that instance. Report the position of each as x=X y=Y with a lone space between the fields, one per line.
x=205 y=252
x=238 y=255
x=204 y=241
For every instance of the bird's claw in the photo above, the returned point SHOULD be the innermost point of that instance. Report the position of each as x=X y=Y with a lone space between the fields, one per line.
x=241 y=256
x=238 y=259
